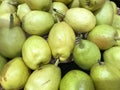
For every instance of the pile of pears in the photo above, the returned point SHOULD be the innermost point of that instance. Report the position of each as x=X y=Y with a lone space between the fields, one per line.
x=38 y=37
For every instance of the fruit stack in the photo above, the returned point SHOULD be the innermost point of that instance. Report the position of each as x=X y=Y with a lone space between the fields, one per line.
x=59 y=45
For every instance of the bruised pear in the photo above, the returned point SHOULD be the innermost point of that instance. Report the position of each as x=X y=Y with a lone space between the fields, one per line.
x=46 y=77
x=14 y=74
x=61 y=40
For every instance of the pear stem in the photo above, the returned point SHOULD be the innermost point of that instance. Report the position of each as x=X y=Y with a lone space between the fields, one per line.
x=81 y=45
x=57 y=62
x=100 y=62
x=11 y=21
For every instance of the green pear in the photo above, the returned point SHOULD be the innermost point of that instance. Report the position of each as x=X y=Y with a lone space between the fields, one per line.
x=92 y=5
x=58 y=11
x=36 y=52
x=22 y=10
x=105 y=76
x=76 y=80
x=11 y=40
x=46 y=77
x=85 y=56
x=5 y=20
x=39 y=4
x=104 y=36
x=114 y=7
x=3 y=61
x=116 y=21
x=74 y=3
x=63 y=1
x=43 y=24
x=112 y=56
x=6 y=7
x=61 y=40
x=14 y=74
x=101 y=16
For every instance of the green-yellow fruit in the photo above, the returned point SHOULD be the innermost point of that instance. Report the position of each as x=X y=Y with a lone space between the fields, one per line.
x=80 y=19
x=61 y=40
x=36 y=52
x=14 y=74
x=37 y=22
x=116 y=21
x=47 y=77
x=22 y=10
x=100 y=14
x=63 y=1
x=76 y=80
x=43 y=5
x=85 y=56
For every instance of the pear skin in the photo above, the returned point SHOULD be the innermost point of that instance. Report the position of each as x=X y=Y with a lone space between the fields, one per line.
x=46 y=77
x=105 y=76
x=61 y=40
x=76 y=80
x=14 y=74
x=100 y=14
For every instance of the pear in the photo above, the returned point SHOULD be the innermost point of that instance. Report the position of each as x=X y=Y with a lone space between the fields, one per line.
x=118 y=34
x=80 y=18
x=40 y=27
x=101 y=16
x=85 y=56
x=104 y=36
x=105 y=76
x=61 y=40
x=58 y=11
x=92 y=5
x=116 y=21
x=114 y=7
x=14 y=74
x=3 y=61
x=112 y=56
x=39 y=4
x=74 y=3
x=11 y=40
x=63 y=1
x=46 y=77
x=5 y=20
x=76 y=80
x=22 y=10
x=36 y=52
x=6 y=7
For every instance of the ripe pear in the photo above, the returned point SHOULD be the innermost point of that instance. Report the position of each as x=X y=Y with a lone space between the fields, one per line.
x=22 y=10
x=58 y=10
x=11 y=40
x=74 y=3
x=114 y=7
x=63 y=1
x=105 y=76
x=104 y=36
x=46 y=77
x=112 y=56
x=39 y=4
x=43 y=24
x=5 y=20
x=92 y=4
x=36 y=52
x=116 y=21
x=85 y=56
x=3 y=61
x=6 y=7
x=61 y=40
x=76 y=80
x=100 y=14
x=14 y=74
x=79 y=19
